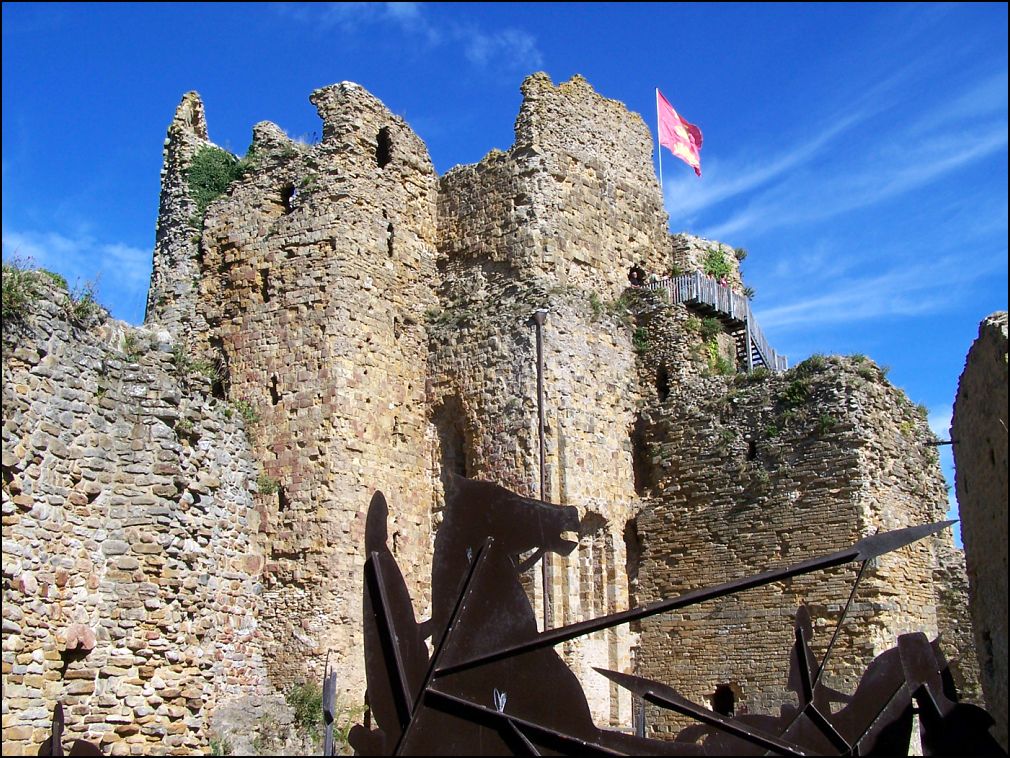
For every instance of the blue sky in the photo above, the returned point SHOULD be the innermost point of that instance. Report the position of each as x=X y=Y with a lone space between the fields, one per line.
x=859 y=152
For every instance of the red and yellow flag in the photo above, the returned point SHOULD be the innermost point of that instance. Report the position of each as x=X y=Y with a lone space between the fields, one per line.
x=683 y=139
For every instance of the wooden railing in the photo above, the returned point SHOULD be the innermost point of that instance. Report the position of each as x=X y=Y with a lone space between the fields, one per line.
x=697 y=289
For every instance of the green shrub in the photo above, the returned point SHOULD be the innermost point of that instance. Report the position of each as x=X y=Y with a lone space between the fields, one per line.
x=220 y=746
x=797 y=393
x=740 y=253
x=596 y=306
x=20 y=289
x=715 y=263
x=266 y=484
x=826 y=423
x=132 y=348
x=815 y=362
x=640 y=340
x=209 y=175
x=306 y=699
x=748 y=292
x=709 y=328
x=772 y=431
x=245 y=409
x=58 y=279
x=755 y=375
x=188 y=366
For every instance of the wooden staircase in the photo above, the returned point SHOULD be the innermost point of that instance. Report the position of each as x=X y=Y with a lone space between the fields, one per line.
x=706 y=297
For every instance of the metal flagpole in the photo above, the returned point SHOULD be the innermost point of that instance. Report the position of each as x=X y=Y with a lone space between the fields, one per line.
x=659 y=149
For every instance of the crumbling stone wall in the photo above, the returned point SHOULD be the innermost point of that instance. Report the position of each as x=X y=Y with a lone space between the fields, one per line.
x=979 y=432
x=372 y=323
x=316 y=269
x=767 y=470
x=175 y=275
x=131 y=586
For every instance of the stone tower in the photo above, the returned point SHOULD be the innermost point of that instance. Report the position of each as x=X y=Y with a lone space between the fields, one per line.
x=316 y=270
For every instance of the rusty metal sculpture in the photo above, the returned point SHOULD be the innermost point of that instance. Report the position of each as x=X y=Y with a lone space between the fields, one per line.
x=53 y=744
x=494 y=685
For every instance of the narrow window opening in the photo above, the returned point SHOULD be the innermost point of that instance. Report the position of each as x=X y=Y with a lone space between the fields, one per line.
x=452 y=442
x=396 y=328
x=641 y=460
x=632 y=559
x=221 y=383
x=282 y=500
x=275 y=396
x=752 y=450
x=396 y=543
x=265 y=284
x=383 y=147
x=724 y=701
x=389 y=239
x=662 y=383
x=288 y=193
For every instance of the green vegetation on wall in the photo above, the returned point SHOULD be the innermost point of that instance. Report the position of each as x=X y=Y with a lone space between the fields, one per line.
x=715 y=263
x=210 y=173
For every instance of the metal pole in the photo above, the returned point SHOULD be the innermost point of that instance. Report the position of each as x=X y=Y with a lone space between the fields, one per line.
x=539 y=317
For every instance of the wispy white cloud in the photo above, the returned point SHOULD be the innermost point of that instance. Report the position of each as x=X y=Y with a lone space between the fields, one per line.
x=508 y=49
x=889 y=172
x=904 y=290
x=120 y=272
x=939 y=420
x=902 y=146
x=511 y=47
x=723 y=180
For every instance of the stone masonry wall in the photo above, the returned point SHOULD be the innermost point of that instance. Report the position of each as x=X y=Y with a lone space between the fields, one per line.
x=554 y=223
x=979 y=432
x=317 y=268
x=764 y=471
x=130 y=580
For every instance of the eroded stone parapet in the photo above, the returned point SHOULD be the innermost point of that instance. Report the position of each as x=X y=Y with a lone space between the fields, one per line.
x=979 y=433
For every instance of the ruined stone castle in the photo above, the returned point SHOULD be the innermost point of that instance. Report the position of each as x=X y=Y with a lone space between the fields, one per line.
x=178 y=540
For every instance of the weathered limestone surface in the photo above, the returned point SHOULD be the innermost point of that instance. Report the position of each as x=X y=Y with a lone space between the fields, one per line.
x=979 y=431
x=765 y=471
x=317 y=269
x=131 y=581
x=372 y=322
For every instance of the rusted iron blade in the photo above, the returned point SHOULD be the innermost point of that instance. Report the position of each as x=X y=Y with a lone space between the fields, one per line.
x=404 y=697
x=476 y=565
x=667 y=697
x=841 y=619
x=805 y=676
x=578 y=746
x=864 y=549
x=827 y=729
x=880 y=544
